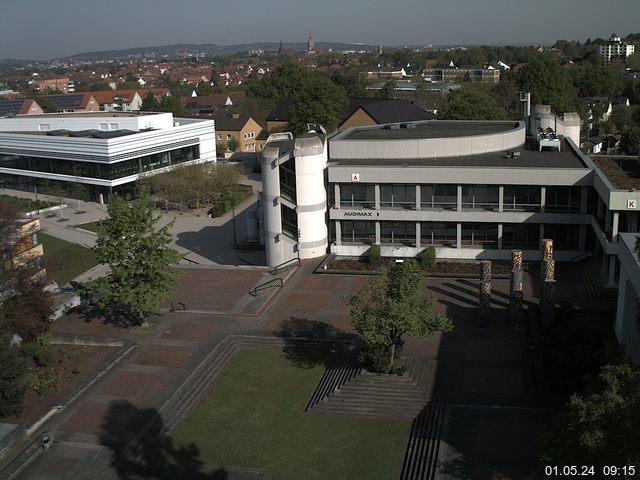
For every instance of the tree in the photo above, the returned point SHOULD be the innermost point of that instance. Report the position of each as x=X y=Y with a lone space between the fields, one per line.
x=471 y=103
x=549 y=84
x=601 y=427
x=317 y=101
x=391 y=305
x=150 y=103
x=232 y=144
x=141 y=263
x=630 y=141
x=28 y=312
x=12 y=370
x=388 y=89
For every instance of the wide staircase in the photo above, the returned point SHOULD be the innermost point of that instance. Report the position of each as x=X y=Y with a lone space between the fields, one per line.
x=423 y=449
x=351 y=391
x=590 y=283
x=259 y=296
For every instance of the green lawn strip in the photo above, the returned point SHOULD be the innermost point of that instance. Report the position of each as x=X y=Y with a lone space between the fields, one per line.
x=65 y=260
x=254 y=417
x=91 y=226
x=25 y=204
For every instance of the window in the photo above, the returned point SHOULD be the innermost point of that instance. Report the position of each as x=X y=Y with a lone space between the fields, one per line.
x=479 y=235
x=522 y=235
x=357 y=232
x=44 y=127
x=439 y=196
x=398 y=196
x=289 y=221
x=521 y=198
x=288 y=180
x=357 y=195
x=398 y=233
x=565 y=237
x=562 y=199
x=219 y=136
x=435 y=233
x=113 y=126
x=228 y=136
x=480 y=197
x=104 y=126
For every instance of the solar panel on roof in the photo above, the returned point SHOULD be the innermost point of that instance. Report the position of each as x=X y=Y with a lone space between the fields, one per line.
x=10 y=107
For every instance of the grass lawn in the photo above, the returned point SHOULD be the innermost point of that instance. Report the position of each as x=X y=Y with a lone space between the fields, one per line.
x=254 y=417
x=25 y=204
x=91 y=226
x=64 y=260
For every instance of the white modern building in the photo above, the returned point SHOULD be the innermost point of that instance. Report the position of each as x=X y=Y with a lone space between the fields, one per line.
x=615 y=48
x=105 y=152
x=473 y=190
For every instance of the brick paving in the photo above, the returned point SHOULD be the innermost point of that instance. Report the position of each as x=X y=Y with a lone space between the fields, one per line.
x=482 y=367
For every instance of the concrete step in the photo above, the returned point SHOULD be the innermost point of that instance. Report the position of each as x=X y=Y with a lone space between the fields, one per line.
x=421 y=457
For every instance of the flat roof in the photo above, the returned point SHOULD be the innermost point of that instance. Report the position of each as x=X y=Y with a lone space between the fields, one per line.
x=622 y=172
x=88 y=114
x=529 y=157
x=430 y=129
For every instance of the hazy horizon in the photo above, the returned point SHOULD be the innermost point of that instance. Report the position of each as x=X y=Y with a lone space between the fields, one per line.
x=79 y=27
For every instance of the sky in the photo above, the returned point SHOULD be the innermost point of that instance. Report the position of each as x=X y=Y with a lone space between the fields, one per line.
x=40 y=29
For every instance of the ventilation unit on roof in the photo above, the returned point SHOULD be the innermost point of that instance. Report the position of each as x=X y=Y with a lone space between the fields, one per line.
x=394 y=126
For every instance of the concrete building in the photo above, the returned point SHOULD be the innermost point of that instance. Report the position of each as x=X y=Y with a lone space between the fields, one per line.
x=452 y=75
x=95 y=154
x=615 y=48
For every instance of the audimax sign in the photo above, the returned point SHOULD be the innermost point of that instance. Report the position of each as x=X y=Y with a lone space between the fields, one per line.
x=360 y=213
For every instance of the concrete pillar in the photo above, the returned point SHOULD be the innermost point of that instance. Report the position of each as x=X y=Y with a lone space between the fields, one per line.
x=459 y=235
x=543 y=198
x=418 y=235
x=459 y=199
x=584 y=195
x=607 y=221
x=376 y=190
x=614 y=226
x=612 y=271
x=336 y=190
x=499 y=236
x=632 y=222
x=271 y=206
x=418 y=199
x=501 y=198
x=604 y=262
x=582 y=237
x=338 y=233
x=378 y=233
x=541 y=231
x=599 y=207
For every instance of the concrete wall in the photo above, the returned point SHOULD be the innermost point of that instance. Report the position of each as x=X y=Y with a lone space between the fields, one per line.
x=345 y=148
x=626 y=326
x=82 y=121
x=568 y=125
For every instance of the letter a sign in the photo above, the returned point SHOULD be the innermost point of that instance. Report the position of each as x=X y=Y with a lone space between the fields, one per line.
x=355 y=177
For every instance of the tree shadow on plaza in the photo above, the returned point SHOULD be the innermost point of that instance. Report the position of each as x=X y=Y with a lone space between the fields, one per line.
x=115 y=315
x=141 y=448
x=309 y=343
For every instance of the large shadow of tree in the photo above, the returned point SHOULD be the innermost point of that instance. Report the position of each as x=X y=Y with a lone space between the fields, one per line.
x=140 y=447
x=309 y=343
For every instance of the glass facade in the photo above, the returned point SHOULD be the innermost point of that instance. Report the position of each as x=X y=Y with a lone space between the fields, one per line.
x=439 y=196
x=480 y=197
x=524 y=236
x=403 y=233
x=438 y=233
x=480 y=235
x=562 y=199
x=565 y=237
x=398 y=196
x=357 y=232
x=522 y=198
x=289 y=221
x=287 y=172
x=102 y=171
x=357 y=195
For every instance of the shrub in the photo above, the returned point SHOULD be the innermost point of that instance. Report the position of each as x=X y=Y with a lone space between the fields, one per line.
x=375 y=257
x=427 y=257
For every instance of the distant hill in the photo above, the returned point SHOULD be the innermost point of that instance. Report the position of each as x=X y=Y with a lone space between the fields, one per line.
x=211 y=49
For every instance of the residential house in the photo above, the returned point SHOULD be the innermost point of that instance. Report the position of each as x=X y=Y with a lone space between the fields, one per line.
x=78 y=102
x=64 y=85
x=19 y=106
x=118 y=100
x=243 y=129
x=372 y=111
x=615 y=48
x=209 y=104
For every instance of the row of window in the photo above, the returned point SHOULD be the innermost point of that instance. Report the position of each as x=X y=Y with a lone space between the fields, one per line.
x=475 y=197
x=473 y=235
x=103 y=171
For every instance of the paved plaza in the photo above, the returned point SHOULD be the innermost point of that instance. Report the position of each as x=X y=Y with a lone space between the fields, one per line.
x=482 y=376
